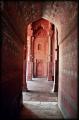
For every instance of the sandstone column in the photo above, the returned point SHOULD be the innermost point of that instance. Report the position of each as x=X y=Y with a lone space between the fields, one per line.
x=55 y=84
x=32 y=53
x=24 y=70
x=29 y=62
x=49 y=59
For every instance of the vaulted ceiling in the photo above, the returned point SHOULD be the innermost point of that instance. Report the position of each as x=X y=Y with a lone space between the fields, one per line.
x=60 y=13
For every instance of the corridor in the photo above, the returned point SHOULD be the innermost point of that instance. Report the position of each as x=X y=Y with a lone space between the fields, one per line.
x=39 y=59
x=40 y=100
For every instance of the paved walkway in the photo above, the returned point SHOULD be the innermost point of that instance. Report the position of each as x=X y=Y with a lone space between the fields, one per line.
x=39 y=89
x=39 y=102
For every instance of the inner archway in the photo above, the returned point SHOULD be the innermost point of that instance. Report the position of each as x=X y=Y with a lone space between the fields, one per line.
x=42 y=51
x=41 y=65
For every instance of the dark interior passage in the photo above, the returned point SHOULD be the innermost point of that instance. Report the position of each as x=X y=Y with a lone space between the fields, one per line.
x=18 y=65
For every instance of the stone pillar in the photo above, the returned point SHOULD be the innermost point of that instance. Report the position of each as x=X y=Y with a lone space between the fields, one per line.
x=49 y=59
x=24 y=70
x=55 y=83
x=32 y=53
x=29 y=59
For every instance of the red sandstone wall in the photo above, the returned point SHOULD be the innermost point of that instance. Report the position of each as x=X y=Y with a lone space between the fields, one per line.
x=67 y=94
x=64 y=16
x=41 y=53
x=11 y=69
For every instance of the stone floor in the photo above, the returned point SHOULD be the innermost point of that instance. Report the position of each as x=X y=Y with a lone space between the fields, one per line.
x=39 y=89
x=39 y=102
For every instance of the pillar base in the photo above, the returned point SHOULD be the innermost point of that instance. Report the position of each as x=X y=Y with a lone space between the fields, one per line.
x=52 y=91
x=49 y=78
x=29 y=78
x=50 y=71
x=24 y=88
x=29 y=71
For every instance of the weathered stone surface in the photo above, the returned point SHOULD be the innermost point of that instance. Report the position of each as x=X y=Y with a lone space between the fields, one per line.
x=44 y=110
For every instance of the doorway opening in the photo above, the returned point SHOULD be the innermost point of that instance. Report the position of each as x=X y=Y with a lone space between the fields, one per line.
x=42 y=68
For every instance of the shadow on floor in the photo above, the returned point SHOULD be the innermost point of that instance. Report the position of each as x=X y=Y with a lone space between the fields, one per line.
x=40 y=110
x=54 y=94
x=27 y=114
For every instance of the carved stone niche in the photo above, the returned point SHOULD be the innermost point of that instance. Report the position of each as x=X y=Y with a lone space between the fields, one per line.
x=39 y=46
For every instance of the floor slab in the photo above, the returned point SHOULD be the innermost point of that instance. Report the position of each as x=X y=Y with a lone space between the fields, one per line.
x=39 y=102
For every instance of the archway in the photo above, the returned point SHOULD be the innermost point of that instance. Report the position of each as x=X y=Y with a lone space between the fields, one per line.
x=42 y=51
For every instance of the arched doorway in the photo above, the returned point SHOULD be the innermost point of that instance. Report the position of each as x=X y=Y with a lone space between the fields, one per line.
x=42 y=52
